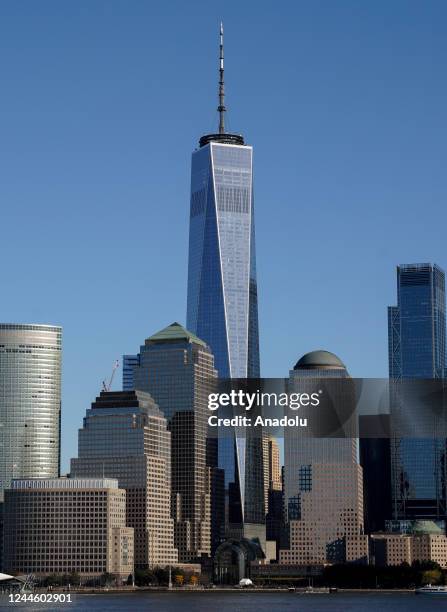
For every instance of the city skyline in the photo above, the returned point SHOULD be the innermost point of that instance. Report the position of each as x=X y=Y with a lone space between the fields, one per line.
x=93 y=337
x=153 y=485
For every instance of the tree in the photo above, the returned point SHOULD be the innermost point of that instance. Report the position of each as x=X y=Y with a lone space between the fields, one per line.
x=142 y=577
x=107 y=579
x=431 y=576
x=74 y=578
x=161 y=575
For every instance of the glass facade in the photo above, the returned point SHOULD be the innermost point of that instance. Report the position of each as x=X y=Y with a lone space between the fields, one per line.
x=222 y=296
x=30 y=402
x=416 y=344
x=129 y=364
x=222 y=290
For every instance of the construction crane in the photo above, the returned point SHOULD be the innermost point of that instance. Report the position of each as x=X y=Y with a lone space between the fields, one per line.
x=105 y=386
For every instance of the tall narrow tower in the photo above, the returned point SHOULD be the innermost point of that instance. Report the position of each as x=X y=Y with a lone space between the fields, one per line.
x=222 y=288
x=30 y=401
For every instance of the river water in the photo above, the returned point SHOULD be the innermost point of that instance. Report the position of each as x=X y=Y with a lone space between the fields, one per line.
x=241 y=602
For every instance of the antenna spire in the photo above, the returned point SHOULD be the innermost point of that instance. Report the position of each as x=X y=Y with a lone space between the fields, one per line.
x=221 y=108
x=221 y=136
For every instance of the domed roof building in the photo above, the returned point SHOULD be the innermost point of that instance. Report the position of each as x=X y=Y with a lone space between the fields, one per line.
x=323 y=487
x=319 y=360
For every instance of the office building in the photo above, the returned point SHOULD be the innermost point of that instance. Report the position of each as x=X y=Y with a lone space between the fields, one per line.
x=30 y=402
x=275 y=497
x=64 y=526
x=375 y=459
x=124 y=436
x=416 y=344
x=323 y=478
x=390 y=549
x=222 y=296
x=129 y=364
x=177 y=369
x=415 y=527
x=274 y=465
x=430 y=547
x=398 y=548
x=276 y=530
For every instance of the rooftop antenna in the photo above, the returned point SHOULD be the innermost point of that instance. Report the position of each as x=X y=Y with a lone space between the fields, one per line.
x=221 y=108
x=221 y=136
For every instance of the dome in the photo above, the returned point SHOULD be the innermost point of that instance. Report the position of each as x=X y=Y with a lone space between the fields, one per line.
x=319 y=360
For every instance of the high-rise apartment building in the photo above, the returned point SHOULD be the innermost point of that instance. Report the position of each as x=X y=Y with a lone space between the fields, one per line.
x=30 y=401
x=177 y=369
x=124 y=436
x=64 y=526
x=323 y=479
x=222 y=292
x=416 y=346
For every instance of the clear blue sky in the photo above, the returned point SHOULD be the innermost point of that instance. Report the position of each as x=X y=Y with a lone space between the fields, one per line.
x=101 y=105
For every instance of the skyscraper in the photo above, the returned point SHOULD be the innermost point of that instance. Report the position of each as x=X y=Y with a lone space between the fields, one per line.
x=222 y=288
x=274 y=466
x=177 y=369
x=375 y=459
x=30 y=401
x=275 y=527
x=129 y=364
x=124 y=436
x=416 y=349
x=323 y=478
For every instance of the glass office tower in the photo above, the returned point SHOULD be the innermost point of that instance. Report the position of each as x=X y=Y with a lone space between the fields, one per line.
x=222 y=290
x=130 y=362
x=30 y=401
x=416 y=344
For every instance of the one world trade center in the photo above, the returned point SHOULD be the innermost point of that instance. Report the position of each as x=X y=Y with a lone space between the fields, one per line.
x=222 y=293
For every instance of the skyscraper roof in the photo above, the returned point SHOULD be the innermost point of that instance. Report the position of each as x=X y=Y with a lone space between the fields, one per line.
x=173 y=333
